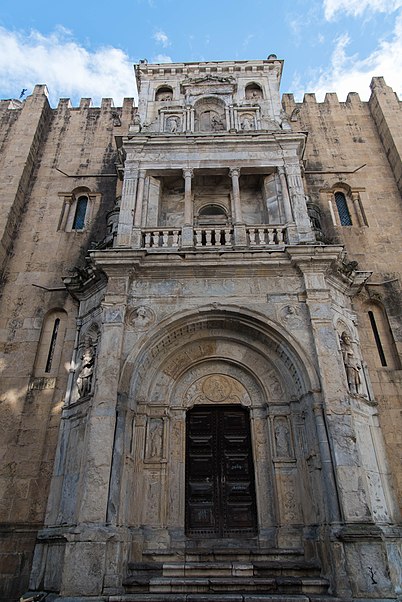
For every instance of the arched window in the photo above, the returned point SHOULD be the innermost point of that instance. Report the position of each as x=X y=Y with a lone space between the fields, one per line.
x=80 y=213
x=51 y=342
x=79 y=206
x=381 y=339
x=212 y=215
x=343 y=209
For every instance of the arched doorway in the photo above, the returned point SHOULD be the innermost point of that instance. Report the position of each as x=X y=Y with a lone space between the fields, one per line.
x=220 y=489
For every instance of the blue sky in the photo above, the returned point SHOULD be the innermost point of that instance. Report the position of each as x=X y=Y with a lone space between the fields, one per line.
x=87 y=49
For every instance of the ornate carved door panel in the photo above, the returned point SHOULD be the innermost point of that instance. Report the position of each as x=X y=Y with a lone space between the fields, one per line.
x=220 y=492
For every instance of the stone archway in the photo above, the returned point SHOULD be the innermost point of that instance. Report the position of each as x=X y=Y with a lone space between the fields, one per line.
x=266 y=376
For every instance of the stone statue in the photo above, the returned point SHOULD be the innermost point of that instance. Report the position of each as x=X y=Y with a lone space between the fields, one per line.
x=173 y=125
x=247 y=124
x=85 y=375
x=350 y=362
x=155 y=440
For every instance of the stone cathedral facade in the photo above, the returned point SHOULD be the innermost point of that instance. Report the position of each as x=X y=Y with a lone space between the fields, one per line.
x=201 y=342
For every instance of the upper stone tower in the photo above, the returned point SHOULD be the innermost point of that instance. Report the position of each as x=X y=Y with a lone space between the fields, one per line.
x=210 y=160
x=210 y=97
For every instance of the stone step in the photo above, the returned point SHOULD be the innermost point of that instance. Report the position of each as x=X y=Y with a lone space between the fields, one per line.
x=217 y=553
x=222 y=597
x=260 y=568
x=233 y=584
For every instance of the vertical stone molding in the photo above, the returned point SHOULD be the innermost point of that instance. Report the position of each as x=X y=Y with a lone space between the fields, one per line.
x=298 y=201
x=285 y=195
x=127 y=207
x=140 y=198
x=101 y=426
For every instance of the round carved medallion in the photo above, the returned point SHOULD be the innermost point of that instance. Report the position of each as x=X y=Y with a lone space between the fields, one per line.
x=216 y=387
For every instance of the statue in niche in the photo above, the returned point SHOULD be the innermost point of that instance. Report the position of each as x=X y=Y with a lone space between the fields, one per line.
x=85 y=374
x=247 y=123
x=155 y=440
x=282 y=438
x=350 y=362
x=173 y=124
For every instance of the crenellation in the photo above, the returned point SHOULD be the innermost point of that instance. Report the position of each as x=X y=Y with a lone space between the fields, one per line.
x=85 y=103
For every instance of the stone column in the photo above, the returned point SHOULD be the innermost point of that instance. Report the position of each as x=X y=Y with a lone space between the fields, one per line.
x=68 y=200
x=127 y=206
x=239 y=228
x=187 y=238
x=136 y=239
x=188 y=174
x=357 y=208
x=234 y=173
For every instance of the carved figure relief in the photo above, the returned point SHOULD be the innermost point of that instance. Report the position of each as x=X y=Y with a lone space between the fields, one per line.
x=217 y=388
x=289 y=316
x=216 y=122
x=352 y=366
x=283 y=444
x=173 y=124
x=247 y=122
x=86 y=370
x=274 y=384
x=154 y=439
x=141 y=317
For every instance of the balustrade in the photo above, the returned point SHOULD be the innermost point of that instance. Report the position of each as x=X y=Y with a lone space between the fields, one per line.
x=259 y=236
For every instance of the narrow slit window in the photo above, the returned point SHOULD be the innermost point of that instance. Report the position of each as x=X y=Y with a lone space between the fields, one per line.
x=80 y=212
x=52 y=345
x=377 y=339
x=343 y=210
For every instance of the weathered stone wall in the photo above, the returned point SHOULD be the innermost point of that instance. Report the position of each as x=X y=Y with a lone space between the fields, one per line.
x=36 y=142
x=355 y=147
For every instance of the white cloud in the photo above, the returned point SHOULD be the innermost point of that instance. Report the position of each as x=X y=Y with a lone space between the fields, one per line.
x=68 y=69
x=357 y=7
x=352 y=74
x=161 y=38
x=161 y=58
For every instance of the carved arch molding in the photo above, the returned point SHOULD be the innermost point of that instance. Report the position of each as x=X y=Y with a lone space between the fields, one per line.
x=218 y=359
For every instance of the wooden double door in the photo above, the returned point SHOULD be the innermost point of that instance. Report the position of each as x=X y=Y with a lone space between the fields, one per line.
x=220 y=490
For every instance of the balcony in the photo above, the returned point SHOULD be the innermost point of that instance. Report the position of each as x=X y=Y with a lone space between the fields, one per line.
x=251 y=237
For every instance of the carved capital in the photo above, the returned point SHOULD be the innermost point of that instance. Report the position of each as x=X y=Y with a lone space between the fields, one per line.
x=234 y=172
x=188 y=172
